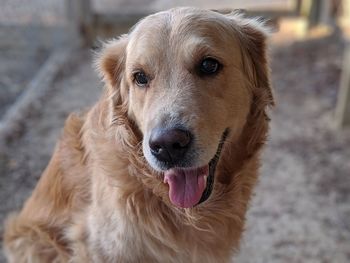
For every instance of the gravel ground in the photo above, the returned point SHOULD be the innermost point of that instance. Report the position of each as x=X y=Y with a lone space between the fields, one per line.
x=17 y=68
x=43 y=12
x=302 y=205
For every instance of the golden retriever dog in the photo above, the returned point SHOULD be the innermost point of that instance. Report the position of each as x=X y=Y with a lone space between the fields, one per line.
x=162 y=167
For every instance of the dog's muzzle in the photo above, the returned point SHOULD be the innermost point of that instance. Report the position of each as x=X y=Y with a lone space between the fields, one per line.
x=189 y=187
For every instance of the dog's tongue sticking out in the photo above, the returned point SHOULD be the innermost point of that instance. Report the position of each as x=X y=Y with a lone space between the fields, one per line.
x=186 y=185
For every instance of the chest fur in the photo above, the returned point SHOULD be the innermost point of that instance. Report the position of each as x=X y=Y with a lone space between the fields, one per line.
x=149 y=234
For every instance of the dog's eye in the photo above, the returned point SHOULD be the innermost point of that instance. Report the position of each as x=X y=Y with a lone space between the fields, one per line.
x=141 y=79
x=209 y=66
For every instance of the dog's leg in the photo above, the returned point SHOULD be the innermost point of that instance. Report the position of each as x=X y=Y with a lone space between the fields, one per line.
x=38 y=232
x=27 y=241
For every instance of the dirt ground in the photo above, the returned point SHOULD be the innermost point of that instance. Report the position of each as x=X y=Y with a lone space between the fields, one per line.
x=301 y=209
x=17 y=68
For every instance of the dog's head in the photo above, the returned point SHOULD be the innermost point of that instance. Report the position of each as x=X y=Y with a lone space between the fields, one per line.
x=187 y=80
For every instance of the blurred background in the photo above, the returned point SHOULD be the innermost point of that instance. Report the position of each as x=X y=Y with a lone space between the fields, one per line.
x=301 y=208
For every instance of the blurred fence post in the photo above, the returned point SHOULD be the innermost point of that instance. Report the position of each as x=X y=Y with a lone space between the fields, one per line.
x=319 y=12
x=80 y=18
x=343 y=103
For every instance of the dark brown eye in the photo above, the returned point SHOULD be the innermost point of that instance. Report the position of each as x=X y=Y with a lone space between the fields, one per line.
x=141 y=79
x=209 y=66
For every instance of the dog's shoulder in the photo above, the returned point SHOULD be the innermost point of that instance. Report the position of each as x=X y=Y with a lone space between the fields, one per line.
x=72 y=157
x=64 y=184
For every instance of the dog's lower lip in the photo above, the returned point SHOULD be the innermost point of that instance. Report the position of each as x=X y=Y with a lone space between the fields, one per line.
x=212 y=166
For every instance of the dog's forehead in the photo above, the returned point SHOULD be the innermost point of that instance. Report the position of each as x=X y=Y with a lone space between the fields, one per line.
x=173 y=31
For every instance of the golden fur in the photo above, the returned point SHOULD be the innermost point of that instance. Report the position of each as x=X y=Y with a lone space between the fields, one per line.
x=99 y=199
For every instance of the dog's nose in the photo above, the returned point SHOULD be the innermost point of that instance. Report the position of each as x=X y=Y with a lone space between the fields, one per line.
x=169 y=145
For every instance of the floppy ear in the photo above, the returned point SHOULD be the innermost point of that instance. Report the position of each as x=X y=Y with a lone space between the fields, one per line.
x=110 y=64
x=253 y=33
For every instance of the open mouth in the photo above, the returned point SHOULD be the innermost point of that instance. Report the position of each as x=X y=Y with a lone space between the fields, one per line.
x=189 y=187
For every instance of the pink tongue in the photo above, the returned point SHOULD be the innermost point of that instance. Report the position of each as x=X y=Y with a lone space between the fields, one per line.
x=186 y=185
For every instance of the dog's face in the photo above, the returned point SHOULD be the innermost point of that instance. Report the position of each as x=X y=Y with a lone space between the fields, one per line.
x=184 y=76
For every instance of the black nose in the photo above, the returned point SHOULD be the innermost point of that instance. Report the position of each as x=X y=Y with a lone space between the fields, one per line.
x=169 y=145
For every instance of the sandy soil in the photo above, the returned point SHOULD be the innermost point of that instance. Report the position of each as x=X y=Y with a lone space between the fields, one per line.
x=301 y=209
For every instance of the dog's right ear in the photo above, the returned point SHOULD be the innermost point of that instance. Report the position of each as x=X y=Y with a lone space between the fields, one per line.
x=110 y=63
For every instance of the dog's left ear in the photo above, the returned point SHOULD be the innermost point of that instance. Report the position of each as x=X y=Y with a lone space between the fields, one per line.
x=252 y=34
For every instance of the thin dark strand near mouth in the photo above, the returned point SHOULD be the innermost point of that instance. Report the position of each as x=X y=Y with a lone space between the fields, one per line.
x=212 y=166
